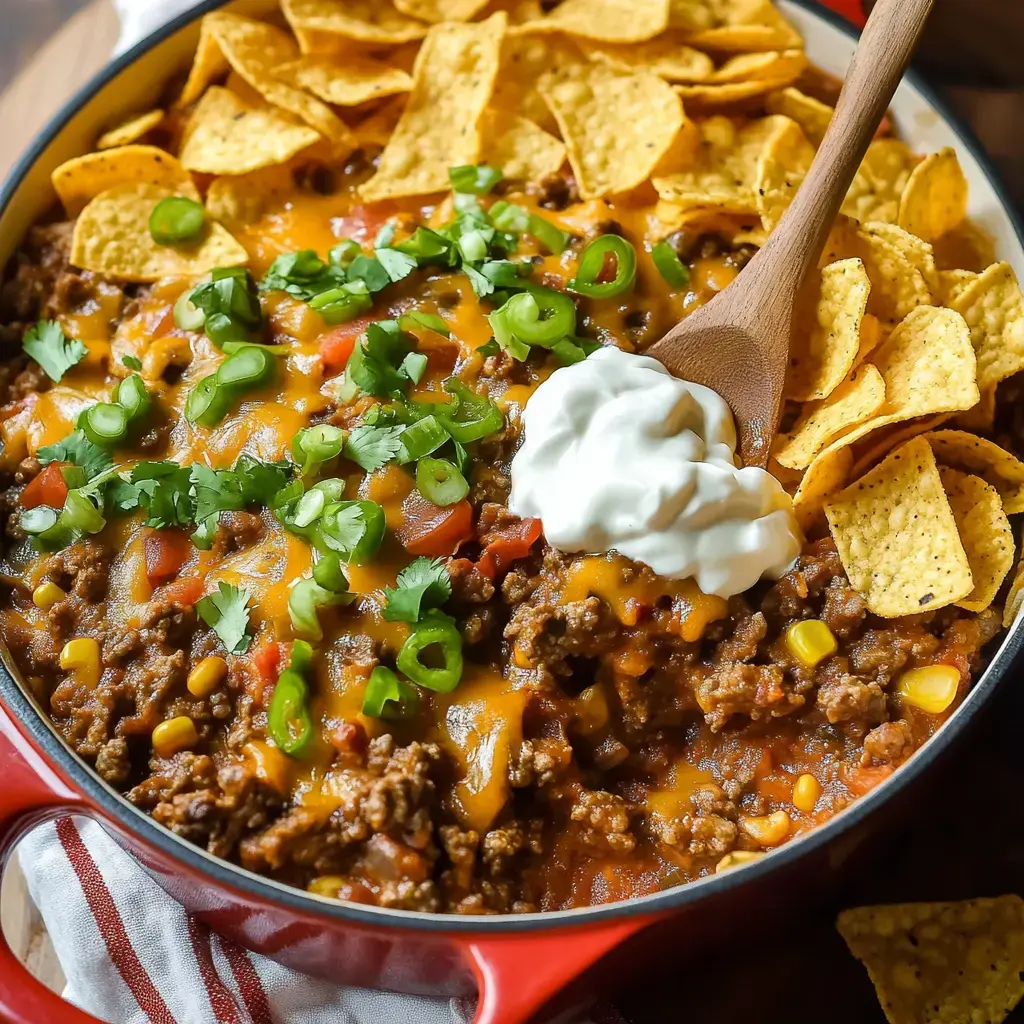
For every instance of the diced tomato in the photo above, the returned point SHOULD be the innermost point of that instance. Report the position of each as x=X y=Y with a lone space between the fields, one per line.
x=166 y=552
x=434 y=530
x=165 y=324
x=862 y=779
x=503 y=547
x=362 y=222
x=336 y=347
x=184 y=592
x=46 y=489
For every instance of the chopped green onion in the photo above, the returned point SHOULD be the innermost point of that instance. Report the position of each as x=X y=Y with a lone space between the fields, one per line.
x=313 y=446
x=469 y=416
x=439 y=631
x=288 y=719
x=231 y=304
x=132 y=396
x=207 y=403
x=592 y=267
x=540 y=316
x=105 y=423
x=421 y=438
x=477 y=179
x=440 y=482
x=186 y=316
x=414 y=365
x=670 y=266
x=176 y=219
x=344 y=253
x=387 y=696
x=426 y=246
x=245 y=369
x=309 y=508
x=509 y=217
x=306 y=598
x=414 y=319
x=39 y=520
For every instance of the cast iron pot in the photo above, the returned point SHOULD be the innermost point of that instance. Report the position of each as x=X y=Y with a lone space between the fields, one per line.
x=519 y=966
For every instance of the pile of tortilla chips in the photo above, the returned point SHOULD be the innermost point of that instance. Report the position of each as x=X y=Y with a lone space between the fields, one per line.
x=702 y=111
x=941 y=963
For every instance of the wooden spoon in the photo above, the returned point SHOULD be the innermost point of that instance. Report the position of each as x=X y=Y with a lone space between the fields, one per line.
x=738 y=344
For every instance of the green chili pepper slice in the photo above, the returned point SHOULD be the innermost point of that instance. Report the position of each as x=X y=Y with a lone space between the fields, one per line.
x=540 y=316
x=313 y=446
x=245 y=369
x=304 y=601
x=588 y=280
x=674 y=271
x=288 y=720
x=421 y=438
x=435 y=630
x=469 y=416
x=207 y=403
x=387 y=696
x=132 y=396
x=440 y=482
x=329 y=574
x=105 y=423
x=176 y=219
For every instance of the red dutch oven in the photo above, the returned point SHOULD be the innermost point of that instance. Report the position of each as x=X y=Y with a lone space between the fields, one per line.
x=534 y=966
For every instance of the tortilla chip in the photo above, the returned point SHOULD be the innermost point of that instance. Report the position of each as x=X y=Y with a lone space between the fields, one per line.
x=112 y=238
x=871 y=336
x=827 y=348
x=616 y=125
x=367 y=21
x=951 y=284
x=982 y=418
x=345 y=82
x=744 y=26
x=927 y=368
x=253 y=49
x=897 y=538
x=780 y=173
x=522 y=149
x=967 y=247
x=705 y=97
x=880 y=182
x=127 y=132
x=1015 y=597
x=689 y=15
x=440 y=127
x=855 y=400
x=665 y=56
x=935 y=199
x=825 y=476
x=757 y=67
x=870 y=451
x=724 y=177
x=941 y=963
x=1005 y=472
x=241 y=200
x=812 y=115
x=441 y=10
x=608 y=21
x=994 y=310
x=524 y=62
x=226 y=136
x=984 y=531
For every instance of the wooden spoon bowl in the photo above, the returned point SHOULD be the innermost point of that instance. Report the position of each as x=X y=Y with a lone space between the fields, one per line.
x=739 y=343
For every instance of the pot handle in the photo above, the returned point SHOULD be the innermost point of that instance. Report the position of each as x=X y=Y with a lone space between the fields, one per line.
x=517 y=974
x=31 y=793
x=851 y=10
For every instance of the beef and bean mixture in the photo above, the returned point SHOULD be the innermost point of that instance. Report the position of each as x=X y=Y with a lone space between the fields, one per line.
x=581 y=731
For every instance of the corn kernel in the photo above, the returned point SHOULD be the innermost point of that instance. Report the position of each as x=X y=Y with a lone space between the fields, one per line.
x=810 y=642
x=173 y=735
x=806 y=792
x=591 y=708
x=82 y=657
x=931 y=689
x=46 y=595
x=269 y=764
x=326 y=885
x=737 y=859
x=521 y=658
x=207 y=676
x=769 y=830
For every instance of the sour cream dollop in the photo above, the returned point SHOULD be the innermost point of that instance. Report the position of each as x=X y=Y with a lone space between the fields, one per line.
x=620 y=455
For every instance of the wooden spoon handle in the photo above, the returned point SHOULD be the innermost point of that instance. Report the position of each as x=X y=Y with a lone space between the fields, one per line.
x=886 y=45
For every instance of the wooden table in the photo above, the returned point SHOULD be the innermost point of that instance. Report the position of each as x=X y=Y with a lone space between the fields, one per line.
x=965 y=836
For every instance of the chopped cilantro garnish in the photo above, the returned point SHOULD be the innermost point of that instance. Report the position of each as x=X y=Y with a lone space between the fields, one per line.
x=229 y=304
x=302 y=274
x=52 y=349
x=396 y=264
x=163 y=490
x=77 y=449
x=370 y=271
x=372 y=447
x=376 y=365
x=132 y=362
x=489 y=348
x=423 y=585
x=227 y=614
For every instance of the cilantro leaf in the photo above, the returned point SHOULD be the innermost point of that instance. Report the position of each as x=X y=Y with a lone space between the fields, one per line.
x=52 y=349
x=397 y=264
x=132 y=362
x=370 y=271
x=227 y=614
x=423 y=585
x=76 y=448
x=376 y=361
x=372 y=447
x=302 y=274
x=163 y=490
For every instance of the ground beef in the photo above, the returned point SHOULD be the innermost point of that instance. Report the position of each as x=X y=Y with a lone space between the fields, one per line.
x=888 y=743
